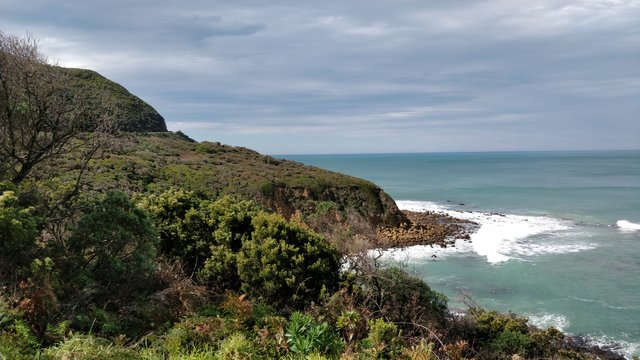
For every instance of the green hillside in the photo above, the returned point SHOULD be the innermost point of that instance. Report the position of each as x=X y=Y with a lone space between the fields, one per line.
x=131 y=113
x=155 y=162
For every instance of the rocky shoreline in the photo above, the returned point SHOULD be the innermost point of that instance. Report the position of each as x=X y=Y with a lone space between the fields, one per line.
x=426 y=228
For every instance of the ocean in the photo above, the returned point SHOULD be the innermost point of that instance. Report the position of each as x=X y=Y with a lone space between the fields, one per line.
x=559 y=239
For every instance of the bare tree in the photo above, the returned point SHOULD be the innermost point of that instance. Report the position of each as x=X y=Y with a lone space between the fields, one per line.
x=42 y=113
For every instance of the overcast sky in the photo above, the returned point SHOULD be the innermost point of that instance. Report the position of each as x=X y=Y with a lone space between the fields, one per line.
x=362 y=76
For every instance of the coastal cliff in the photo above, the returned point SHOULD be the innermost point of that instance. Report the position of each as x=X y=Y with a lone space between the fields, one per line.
x=145 y=158
x=155 y=162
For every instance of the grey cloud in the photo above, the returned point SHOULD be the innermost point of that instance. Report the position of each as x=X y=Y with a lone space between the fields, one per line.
x=459 y=75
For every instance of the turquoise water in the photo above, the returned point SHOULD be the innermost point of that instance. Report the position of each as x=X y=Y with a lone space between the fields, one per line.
x=558 y=251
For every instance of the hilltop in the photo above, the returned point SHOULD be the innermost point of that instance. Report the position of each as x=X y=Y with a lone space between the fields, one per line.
x=130 y=112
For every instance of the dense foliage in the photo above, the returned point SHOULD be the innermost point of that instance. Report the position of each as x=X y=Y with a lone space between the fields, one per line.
x=111 y=250
x=286 y=264
x=233 y=244
x=18 y=231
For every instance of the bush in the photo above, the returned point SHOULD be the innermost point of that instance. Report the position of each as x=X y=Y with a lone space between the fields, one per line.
x=349 y=322
x=205 y=235
x=232 y=244
x=230 y=221
x=16 y=339
x=181 y=235
x=490 y=324
x=404 y=299
x=285 y=264
x=544 y=342
x=511 y=342
x=196 y=333
x=18 y=232
x=384 y=340
x=305 y=336
x=112 y=249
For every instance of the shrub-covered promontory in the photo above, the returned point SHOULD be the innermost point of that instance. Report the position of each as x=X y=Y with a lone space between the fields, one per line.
x=334 y=204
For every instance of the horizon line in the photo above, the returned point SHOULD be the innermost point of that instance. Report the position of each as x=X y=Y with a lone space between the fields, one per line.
x=459 y=152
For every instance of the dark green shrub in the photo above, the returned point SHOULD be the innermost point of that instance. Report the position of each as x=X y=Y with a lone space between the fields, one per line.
x=510 y=342
x=306 y=336
x=98 y=321
x=220 y=270
x=490 y=324
x=112 y=250
x=232 y=244
x=267 y=189
x=404 y=299
x=546 y=342
x=181 y=225
x=18 y=232
x=205 y=235
x=230 y=223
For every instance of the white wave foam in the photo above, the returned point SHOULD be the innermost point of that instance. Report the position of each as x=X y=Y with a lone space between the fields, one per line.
x=625 y=348
x=545 y=320
x=503 y=237
x=625 y=225
x=421 y=206
x=422 y=252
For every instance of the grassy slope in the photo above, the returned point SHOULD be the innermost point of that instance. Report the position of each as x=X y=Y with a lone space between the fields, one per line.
x=154 y=162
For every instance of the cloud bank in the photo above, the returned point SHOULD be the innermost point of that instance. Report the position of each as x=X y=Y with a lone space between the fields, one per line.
x=363 y=76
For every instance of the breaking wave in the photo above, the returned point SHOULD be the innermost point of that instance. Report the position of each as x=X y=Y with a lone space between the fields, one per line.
x=501 y=237
x=546 y=320
x=625 y=225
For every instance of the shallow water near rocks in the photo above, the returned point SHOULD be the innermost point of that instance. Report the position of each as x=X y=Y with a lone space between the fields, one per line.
x=559 y=239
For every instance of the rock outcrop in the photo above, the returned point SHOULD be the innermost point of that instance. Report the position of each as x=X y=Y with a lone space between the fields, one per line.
x=428 y=228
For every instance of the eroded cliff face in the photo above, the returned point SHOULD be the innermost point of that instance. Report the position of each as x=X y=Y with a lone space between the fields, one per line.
x=361 y=208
